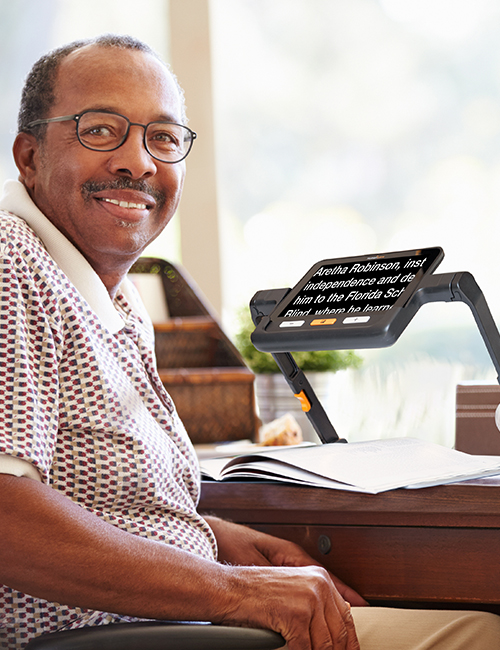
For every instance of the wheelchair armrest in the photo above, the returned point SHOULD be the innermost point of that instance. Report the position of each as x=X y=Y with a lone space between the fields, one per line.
x=159 y=635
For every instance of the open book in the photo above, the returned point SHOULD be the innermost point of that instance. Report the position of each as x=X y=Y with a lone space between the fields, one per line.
x=370 y=466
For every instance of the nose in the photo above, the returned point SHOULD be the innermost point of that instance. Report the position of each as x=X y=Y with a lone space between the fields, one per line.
x=132 y=159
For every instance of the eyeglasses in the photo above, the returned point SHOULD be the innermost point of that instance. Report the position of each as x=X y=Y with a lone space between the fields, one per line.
x=101 y=131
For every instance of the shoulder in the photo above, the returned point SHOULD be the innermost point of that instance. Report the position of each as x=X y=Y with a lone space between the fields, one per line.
x=16 y=235
x=24 y=260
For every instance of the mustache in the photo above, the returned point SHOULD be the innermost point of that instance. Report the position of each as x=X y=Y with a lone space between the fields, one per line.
x=91 y=187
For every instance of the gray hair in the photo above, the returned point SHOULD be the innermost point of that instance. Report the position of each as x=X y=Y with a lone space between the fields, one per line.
x=38 y=94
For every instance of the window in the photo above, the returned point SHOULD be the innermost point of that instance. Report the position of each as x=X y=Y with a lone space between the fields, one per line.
x=357 y=126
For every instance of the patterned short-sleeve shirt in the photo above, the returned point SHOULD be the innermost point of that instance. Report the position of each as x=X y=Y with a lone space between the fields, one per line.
x=84 y=405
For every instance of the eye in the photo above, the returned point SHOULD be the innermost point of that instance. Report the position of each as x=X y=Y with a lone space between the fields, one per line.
x=164 y=136
x=99 y=132
x=101 y=129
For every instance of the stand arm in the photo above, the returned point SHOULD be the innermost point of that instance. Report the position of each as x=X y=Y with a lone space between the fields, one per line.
x=304 y=392
x=451 y=287
x=261 y=306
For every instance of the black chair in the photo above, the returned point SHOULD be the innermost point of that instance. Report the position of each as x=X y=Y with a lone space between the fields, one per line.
x=158 y=635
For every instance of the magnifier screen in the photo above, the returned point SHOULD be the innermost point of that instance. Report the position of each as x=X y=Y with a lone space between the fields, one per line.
x=370 y=284
x=345 y=303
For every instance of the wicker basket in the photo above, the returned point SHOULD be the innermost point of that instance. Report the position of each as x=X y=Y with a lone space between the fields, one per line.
x=200 y=367
x=215 y=404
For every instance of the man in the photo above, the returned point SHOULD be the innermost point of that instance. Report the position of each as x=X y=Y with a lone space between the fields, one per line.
x=98 y=480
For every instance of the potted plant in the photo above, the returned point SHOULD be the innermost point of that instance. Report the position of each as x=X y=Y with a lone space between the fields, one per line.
x=273 y=394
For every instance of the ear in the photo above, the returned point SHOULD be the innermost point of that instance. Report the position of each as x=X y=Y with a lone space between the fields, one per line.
x=26 y=154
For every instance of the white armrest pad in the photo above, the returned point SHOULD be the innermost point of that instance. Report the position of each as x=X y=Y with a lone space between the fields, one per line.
x=18 y=467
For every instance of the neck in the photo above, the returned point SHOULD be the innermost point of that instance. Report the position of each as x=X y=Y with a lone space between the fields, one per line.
x=111 y=278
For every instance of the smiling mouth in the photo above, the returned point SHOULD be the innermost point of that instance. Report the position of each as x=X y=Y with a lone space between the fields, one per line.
x=143 y=195
x=126 y=204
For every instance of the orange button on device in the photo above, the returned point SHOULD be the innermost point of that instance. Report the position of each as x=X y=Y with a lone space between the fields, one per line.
x=305 y=403
x=324 y=321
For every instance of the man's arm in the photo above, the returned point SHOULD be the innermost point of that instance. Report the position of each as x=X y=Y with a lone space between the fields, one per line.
x=52 y=548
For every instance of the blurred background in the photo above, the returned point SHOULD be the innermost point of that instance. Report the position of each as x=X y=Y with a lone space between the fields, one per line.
x=327 y=128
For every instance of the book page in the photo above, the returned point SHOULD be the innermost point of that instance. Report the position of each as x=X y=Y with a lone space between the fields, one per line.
x=371 y=466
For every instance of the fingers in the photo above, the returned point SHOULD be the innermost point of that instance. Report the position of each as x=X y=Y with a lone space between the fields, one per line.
x=338 y=617
x=352 y=637
x=319 y=619
x=329 y=628
x=348 y=593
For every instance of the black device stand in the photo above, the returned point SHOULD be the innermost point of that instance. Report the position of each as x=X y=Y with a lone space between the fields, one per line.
x=446 y=287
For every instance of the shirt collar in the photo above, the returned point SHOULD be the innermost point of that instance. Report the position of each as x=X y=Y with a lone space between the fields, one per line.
x=16 y=199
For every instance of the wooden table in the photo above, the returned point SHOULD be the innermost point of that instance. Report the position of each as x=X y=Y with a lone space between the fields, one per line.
x=436 y=546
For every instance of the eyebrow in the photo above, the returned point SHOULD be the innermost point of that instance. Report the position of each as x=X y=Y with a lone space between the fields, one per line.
x=164 y=117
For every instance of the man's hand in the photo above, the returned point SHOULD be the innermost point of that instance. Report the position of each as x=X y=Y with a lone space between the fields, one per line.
x=244 y=546
x=282 y=588
x=301 y=603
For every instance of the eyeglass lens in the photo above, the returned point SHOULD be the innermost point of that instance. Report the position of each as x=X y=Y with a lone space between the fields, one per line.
x=107 y=131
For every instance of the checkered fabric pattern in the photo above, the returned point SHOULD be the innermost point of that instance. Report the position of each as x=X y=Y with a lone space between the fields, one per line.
x=87 y=408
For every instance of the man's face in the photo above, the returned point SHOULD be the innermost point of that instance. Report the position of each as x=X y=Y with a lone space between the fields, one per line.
x=111 y=205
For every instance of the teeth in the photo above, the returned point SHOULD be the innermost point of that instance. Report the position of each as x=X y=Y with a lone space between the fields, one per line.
x=126 y=204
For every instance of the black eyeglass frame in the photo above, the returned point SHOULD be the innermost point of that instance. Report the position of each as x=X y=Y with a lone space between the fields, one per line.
x=78 y=116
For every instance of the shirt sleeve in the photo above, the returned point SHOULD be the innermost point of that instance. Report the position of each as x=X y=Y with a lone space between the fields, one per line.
x=28 y=361
x=18 y=467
